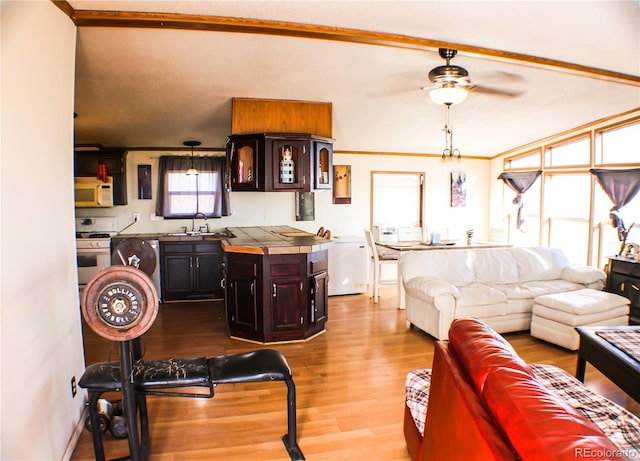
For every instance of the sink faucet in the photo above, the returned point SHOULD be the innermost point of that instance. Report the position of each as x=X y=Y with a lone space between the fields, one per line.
x=193 y=220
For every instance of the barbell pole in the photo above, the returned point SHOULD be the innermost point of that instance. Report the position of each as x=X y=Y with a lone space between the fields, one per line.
x=129 y=400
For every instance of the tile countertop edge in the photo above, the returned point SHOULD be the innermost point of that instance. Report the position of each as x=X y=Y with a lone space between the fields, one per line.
x=230 y=247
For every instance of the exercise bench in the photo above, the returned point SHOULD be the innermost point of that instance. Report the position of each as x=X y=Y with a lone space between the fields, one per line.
x=174 y=378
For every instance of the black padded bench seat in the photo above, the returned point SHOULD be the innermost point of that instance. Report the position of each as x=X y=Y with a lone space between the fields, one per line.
x=163 y=377
x=149 y=375
x=255 y=366
x=250 y=367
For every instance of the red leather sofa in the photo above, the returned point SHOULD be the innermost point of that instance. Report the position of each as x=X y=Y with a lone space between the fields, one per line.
x=484 y=403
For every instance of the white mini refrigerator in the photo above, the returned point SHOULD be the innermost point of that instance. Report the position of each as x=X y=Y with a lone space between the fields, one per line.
x=348 y=269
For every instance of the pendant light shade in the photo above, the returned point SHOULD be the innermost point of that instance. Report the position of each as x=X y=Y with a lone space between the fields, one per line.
x=192 y=170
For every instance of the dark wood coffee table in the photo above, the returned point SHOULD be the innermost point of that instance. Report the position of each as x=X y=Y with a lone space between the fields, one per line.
x=618 y=366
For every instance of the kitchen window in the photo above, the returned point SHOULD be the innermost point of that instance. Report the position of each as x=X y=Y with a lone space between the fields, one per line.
x=182 y=196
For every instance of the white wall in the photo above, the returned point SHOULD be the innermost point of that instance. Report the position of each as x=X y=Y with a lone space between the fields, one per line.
x=41 y=342
x=278 y=208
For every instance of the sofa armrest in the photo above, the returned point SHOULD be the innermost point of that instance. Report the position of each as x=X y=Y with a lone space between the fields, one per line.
x=586 y=275
x=431 y=287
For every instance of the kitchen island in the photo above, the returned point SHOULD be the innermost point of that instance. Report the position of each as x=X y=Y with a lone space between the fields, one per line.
x=275 y=281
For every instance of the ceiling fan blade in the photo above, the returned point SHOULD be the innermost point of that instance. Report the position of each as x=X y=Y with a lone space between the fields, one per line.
x=495 y=91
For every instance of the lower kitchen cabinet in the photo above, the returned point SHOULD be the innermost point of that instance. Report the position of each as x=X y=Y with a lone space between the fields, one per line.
x=241 y=275
x=276 y=297
x=191 y=270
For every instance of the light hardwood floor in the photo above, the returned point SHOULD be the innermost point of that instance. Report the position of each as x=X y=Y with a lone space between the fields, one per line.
x=349 y=382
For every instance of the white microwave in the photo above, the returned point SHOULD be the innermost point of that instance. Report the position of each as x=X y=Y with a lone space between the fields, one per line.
x=93 y=192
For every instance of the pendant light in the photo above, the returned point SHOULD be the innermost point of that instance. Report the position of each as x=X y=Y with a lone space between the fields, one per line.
x=192 y=170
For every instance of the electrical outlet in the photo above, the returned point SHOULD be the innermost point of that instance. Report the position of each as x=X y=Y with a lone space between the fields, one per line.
x=135 y=216
x=74 y=387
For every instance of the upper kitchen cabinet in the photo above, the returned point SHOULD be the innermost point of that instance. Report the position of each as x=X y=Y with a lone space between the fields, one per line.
x=271 y=162
x=245 y=157
x=86 y=164
x=322 y=165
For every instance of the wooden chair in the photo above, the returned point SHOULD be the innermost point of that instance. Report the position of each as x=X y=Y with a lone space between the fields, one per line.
x=320 y=232
x=327 y=234
x=377 y=261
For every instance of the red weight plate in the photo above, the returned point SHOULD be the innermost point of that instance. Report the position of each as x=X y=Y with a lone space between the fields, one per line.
x=120 y=303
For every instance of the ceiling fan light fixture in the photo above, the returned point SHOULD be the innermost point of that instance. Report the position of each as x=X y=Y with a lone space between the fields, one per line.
x=192 y=171
x=449 y=95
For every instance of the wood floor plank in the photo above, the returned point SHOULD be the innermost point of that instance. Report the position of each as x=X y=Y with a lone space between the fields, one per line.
x=349 y=383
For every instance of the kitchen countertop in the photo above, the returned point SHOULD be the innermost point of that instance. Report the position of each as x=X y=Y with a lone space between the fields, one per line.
x=273 y=240
x=252 y=240
x=174 y=237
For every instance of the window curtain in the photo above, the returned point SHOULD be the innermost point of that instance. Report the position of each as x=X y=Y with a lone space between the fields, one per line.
x=621 y=186
x=519 y=182
x=212 y=196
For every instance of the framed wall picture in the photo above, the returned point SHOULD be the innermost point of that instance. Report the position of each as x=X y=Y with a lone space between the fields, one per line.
x=342 y=184
x=144 y=182
x=458 y=189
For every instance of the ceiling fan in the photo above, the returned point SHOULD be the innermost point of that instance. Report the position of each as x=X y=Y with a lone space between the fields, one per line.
x=452 y=83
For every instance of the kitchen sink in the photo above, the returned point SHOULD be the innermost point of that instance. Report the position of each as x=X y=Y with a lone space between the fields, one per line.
x=201 y=234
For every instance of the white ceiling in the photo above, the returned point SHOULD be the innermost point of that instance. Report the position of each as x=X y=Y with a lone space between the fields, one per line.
x=144 y=87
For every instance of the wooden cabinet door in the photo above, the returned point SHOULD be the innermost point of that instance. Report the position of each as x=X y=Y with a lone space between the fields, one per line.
x=178 y=276
x=290 y=165
x=208 y=269
x=322 y=165
x=244 y=157
x=319 y=299
x=243 y=305
x=242 y=300
x=208 y=274
x=287 y=301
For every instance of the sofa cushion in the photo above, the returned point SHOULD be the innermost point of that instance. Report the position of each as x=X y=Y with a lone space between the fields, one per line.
x=453 y=266
x=480 y=349
x=584 y=274
x=535 y=288
x=539 y=424
x=618 y=424
x=519 y=306
x=485 y=312
x=581 y=302
x=574 y=320
x=538 y=263
x=477 y=294
x=494 y=265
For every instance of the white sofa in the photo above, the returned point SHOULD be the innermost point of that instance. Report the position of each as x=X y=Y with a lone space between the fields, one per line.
x=495 y=285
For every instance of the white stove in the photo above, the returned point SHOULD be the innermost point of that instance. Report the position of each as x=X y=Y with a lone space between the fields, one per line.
x=93 y=245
